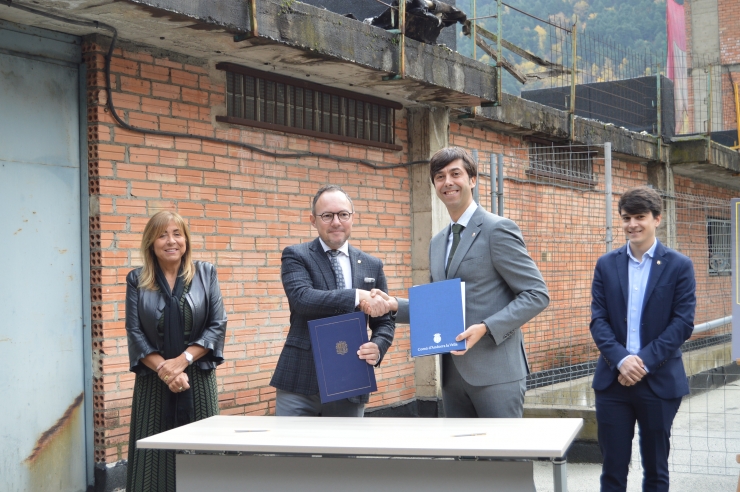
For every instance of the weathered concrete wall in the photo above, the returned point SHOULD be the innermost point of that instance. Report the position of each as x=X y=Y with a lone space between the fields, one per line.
x=428 y=131
x=704 y=21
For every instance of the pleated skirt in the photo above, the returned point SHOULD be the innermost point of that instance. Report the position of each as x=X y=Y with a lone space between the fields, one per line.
x=151 y=469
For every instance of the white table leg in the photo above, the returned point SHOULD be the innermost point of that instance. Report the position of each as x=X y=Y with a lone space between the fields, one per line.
x=560 y=474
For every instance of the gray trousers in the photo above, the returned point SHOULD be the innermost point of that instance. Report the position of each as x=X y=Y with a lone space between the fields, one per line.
x=289 y=404
x=463 y=400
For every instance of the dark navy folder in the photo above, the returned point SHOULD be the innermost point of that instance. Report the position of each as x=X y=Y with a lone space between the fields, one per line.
x=437 y=316
x=335 y=341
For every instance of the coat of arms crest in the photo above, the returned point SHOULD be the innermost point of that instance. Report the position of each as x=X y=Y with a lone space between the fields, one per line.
x=341 y=347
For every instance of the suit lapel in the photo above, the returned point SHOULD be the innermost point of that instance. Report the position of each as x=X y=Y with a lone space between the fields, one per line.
x=437 y=252
x=319 y=257
x=467 y=237
x=656 y=271
x=358 y=269
x=624 y=279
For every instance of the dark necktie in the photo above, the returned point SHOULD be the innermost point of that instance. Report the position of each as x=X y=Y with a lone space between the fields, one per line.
x=456 y=230
x=338 y=273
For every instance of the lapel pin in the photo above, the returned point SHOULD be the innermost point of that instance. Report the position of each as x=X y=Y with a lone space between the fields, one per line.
x=473 y=235
x=359 y=261
x=658 y=262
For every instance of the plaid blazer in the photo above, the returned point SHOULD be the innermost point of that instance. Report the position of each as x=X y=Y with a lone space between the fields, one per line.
x=310 y=286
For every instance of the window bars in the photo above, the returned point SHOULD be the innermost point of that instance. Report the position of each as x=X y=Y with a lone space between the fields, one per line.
x=280 y=103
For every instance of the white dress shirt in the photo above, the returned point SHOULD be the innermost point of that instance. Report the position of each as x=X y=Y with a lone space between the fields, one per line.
x=345 y=265
x=463 y=221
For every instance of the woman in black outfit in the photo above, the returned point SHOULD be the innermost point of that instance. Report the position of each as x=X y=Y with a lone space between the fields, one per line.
x=176 y=325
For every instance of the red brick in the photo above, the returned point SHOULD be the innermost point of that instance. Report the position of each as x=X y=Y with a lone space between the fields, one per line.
x=182 y=110
x=167 y=91
x=159 y=173
x=128 y=67
x=156 y=106
x=139 y=86
x=154 y=72
x=194 y=96
x=145 y=189
x=183 y=78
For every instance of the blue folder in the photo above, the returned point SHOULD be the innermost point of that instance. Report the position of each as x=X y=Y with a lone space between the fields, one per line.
x=437 y=316
x=335 y=341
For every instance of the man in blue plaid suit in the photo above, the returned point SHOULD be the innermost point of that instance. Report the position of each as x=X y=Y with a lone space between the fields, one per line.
x=324 y=278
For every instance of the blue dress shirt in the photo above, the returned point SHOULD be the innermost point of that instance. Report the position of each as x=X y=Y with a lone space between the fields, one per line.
x=639 y=271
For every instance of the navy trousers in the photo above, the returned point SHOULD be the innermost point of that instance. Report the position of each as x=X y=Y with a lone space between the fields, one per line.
x=617 y=409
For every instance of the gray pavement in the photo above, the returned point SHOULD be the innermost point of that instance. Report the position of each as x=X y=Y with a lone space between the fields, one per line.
x=704 y=444
x=585 y=478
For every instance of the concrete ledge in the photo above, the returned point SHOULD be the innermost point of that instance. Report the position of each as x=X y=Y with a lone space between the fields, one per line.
x=110 y=477
x=522 y=117
x=302 y=40
x=698 y=158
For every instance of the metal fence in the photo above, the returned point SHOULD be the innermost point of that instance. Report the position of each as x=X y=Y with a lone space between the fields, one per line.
x=559 y=198
x=588 y=75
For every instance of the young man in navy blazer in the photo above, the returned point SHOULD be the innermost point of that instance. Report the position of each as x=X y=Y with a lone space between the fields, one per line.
x=642 y=311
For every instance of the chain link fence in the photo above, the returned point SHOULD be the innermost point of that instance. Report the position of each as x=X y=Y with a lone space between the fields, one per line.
x=558 y=197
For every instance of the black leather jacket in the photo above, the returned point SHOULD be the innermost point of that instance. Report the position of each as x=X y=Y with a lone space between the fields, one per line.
x=144 y=308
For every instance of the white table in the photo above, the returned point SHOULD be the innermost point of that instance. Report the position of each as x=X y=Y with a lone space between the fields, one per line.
x=236 y=453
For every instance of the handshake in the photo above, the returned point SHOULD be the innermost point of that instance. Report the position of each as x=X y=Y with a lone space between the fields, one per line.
x=376 y=303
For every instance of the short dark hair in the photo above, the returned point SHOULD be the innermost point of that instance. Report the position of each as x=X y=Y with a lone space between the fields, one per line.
x=325 y=189
x=641 y=199
x=443 y=157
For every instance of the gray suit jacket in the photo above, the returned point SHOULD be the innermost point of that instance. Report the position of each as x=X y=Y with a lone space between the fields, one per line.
x=309 y=284
x=503 y=289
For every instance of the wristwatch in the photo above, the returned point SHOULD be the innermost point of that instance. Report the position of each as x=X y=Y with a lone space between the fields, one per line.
x=188 y=357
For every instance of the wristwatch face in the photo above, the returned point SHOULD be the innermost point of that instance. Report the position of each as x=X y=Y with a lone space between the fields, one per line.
x=189 y=357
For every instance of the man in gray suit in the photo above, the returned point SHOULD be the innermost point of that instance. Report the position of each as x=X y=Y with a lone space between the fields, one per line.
x=324 y=278
x=503 y=290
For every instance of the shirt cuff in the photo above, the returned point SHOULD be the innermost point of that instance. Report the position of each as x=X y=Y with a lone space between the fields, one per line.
x=619 y=364
x=357 y=297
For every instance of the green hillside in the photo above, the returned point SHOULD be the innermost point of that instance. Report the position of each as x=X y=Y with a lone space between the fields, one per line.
x=627 y=30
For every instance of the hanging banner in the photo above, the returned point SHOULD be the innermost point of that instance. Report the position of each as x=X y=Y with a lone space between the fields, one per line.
x=735 y=241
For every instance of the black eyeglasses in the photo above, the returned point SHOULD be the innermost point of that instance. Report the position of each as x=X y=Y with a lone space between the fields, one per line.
x=328 y=217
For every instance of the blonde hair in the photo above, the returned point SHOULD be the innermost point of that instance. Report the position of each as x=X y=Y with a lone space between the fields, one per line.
x=154 y=228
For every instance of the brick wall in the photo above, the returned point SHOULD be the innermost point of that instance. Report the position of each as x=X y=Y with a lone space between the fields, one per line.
x=696 y=203
x=564 y=228
x=729 y=31
x=243 y=209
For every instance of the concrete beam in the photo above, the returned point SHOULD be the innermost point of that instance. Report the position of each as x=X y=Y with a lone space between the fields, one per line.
x=699 y=159
x=522 y=117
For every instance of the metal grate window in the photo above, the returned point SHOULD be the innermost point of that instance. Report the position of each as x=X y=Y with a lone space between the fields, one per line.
x=561 y=162
x=718 y=243
x=280 y=103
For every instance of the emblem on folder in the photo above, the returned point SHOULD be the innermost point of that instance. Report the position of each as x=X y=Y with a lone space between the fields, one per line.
x=437 y=338
x=341 y=347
